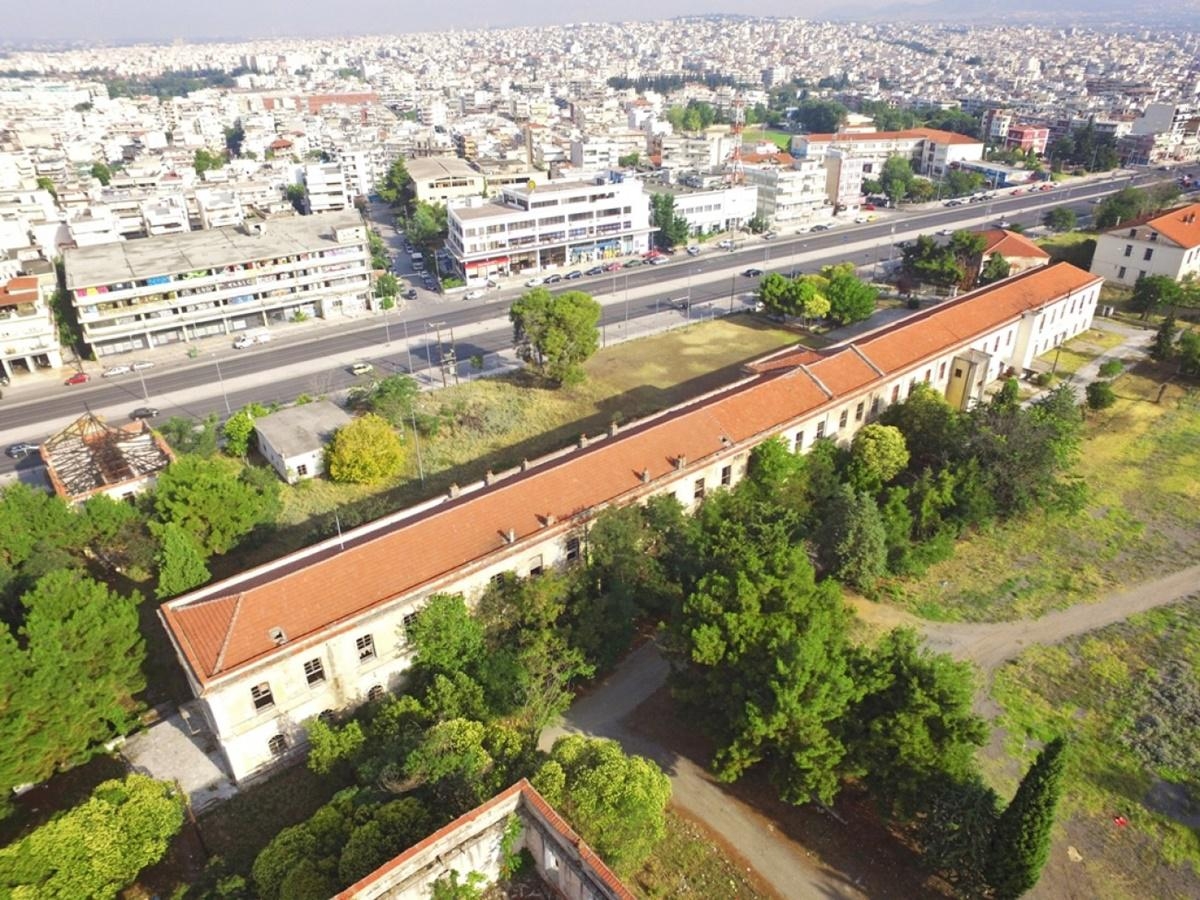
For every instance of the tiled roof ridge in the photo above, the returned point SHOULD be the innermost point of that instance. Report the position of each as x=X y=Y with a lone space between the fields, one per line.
x=861 y=355
x=817 y=381
x=219 y=663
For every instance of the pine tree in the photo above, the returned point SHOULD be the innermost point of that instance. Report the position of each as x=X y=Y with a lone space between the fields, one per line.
x=1163 y=347
x=180 y=562
x=1021 y=841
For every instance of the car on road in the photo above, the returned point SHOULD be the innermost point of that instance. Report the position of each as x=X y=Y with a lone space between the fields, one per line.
x=21 y=450
x=79 y=378
x=553 y=279
x=871 y=207
x=633 y=264
x=821 y=227
x=753 y=273
x=1004 y=223
x=571 y=276
x=861 y=220
x=659 y=260
x=533 y=282
x=116 y=370
x=249 y=340
x=362 y=368
x=595 y=270
x=683 y=304
x=144 y=412
x=410 y=294
x=142 y=365
x=473 y=295
x=770 y=236
x=946 y=232
x=613 y=267
x=725 y=244
x=693 y=251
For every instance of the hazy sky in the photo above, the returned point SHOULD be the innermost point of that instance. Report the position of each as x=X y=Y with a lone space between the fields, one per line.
x=104 y=20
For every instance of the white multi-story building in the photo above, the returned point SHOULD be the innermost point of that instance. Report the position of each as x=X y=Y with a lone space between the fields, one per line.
x=325 y=187
x=930 y=150
x=843 y=178
x=358 y=167
x=324 y=628
x=218 y=209
x=595 y=154
x=712 y=209
x=137 y=294
x=560 y=223
x=1166 y=244
x=167 y=215
x=440 y=179
x=789 y=194
x=28 y=335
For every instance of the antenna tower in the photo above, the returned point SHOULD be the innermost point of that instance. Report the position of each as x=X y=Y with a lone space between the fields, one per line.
x=737 y=172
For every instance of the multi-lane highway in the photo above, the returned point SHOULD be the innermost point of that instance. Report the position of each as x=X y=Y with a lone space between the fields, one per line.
x=223 y=378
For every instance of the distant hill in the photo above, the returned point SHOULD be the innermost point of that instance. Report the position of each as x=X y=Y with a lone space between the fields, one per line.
x=1135 y=14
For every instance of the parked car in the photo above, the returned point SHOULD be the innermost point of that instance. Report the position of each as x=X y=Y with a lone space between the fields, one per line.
x=1003 y=223
x=21 y=450
x=553 y=279
x=410 y=294
x=861 y=220
x=633 y=264
x=595 y=270
x=693 y=251
x=112 y=371
x=683 y=304
x=613 y=267
x=571 y=276
x=946 y=231
x=249 y=340
x=871 y=206
x=770 y=236
x=659 y=260
x=3 y=380
x=725 y=244
x=753 y=273
x=362 y=368
x=144 y=412
x=820 y=227
x=140 y=366
x=79 y=378
x=473 y=295
x=533 y=282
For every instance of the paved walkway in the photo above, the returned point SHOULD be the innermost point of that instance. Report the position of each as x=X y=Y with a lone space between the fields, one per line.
x=168 y=750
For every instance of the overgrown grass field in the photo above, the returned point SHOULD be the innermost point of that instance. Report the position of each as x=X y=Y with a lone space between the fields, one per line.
x=688 y=864
x=1128 y=698
x=1140 y=460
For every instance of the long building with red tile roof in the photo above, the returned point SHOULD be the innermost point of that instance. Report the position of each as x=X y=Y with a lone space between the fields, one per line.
x=1158 y=244
x=323 y=628
x=933 y=152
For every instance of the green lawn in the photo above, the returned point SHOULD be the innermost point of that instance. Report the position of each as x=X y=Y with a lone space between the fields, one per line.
x=781 y=139
x=1128 y=698
x=1075 y=247
x=1140 y=461
x=688 y=864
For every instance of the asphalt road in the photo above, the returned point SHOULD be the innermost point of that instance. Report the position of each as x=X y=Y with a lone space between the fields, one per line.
x=263 y=373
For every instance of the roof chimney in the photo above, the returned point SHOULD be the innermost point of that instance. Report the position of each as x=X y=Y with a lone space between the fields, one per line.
x=510 y=536
x=680 y=461
x=583 y=441
x=488 y=477
x=645 y=476
x=278 y=635
x=612 y=429
x=453 y=491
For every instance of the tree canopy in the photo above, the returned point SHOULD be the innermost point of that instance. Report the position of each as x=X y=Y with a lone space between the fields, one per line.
x=1021 y=840
x=673 y=229
x=366 y=451
x=557 y=333
x=850 y=299
x=212 y=501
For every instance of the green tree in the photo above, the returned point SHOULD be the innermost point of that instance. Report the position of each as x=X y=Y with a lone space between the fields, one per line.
x=914 y=725
x=933 y=430
x=367 y=451
x=1100 y=394
x=462 y=763
x=210 y=500
x=427 y=225
x=628 y=160
x=329 y=745
x=69 y=685
x=386 y=285
x=181 y=562
x=821 y=116
x=557 y=333
x=896 y=178
x=617 y=803
x=762 y=651
x=102 y=173
x=397 y=185
x=239 y=429
x=850 y=299
x=673 y=229
x=98 y=848
x=46 y=184
x=296 y=195
x=204 y=159
x=927 y=261
x=1151 y=292
x=186 y=436
x=996 y=268
x=809 y=298
x=877 y=455
x=391 y=398
x=1163 y=347
x=1021 y=840
x=392 y=828
x=445 y=637
x=775 y=293
x=853 y=542
x=1060 y=218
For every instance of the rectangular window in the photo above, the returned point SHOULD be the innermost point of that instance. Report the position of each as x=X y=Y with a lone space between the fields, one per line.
x=858 y=410
x=262 y=697
x=572 y=549
x=820 y=430
x=876 y=402
x=941 y=371
x=957 y=372
x=799 y=442
x=911 y=386
x=366 y=647
x=727 y=476
x=698 y=490
x=535 y=566
x=1007 y=340
x=1129 y=249
x=314 y=671
x=407 y=622
x=498 y=579
x=895 y=393
x=1121 y=272
x=302 y=470
x=1141 y=273
x=843 y=418
x=1149 y=253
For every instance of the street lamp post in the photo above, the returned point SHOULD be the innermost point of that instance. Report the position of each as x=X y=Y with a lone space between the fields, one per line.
x=142 y=379
x=221 y=381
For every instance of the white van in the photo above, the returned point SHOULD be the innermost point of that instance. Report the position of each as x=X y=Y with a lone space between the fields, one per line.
x=250 y=339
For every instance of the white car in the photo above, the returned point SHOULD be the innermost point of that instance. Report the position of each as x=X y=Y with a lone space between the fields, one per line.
x=693 y=251
x=946 y=232
x=144 y=364
x=725 y=244
x=473 y=295
x=660 y=260
x=116 y=370
x=533 y=282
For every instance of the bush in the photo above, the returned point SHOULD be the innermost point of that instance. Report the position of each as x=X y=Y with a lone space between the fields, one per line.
x=1100 y=395
x=1112 y=368
x=1043 y=379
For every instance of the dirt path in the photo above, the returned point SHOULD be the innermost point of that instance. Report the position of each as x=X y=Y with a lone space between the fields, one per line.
x=989 y=645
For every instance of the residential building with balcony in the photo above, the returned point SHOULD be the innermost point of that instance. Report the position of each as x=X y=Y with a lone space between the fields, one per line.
x=324 y=628
x=138 y=294
x=1164 y=244
x=548 y=226
x=218 y=208
x=168 y=215
x=789 y=194
x=440 y=179
x=325 y=188
x=1027 y=137
x=28 y=333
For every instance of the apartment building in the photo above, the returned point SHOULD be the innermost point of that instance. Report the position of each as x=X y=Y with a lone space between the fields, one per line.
x=324 y=628
x=1027 y=137
x=218 y=209
x=711 y=209
x=843 y=178
x=789 y=194
x=440 y=179
x=1165 y=244
x=930 y=150
x=325 y=188
x=133 y=295
x=28 y=334
x=536 y=227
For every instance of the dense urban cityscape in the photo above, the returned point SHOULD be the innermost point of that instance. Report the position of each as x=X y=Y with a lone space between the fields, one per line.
x=714 y=457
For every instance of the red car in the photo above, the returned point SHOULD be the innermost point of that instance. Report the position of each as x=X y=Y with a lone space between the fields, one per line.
x=79 y=378
x=869 y=207
x=613 y=267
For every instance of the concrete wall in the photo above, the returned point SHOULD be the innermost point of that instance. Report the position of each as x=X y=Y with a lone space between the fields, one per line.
x=1113 y=264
